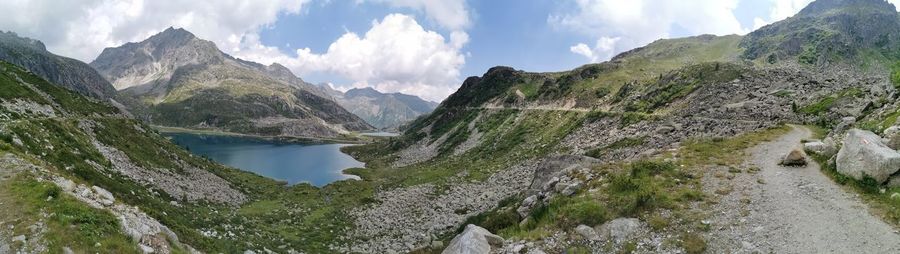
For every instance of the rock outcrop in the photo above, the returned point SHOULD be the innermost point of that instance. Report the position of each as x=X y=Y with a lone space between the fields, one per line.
x=863 y=154
x=474 y=240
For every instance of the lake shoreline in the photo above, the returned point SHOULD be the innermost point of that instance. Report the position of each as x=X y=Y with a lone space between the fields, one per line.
x=280 y=139
x=290 y=163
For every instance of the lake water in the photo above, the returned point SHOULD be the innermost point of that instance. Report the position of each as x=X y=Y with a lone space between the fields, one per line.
x=294 y=163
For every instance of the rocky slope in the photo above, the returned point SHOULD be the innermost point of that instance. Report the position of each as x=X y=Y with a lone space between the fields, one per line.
x=176 y=79
x=685 y=105
x=69 y=73
x=381 y=110
x=77 y=175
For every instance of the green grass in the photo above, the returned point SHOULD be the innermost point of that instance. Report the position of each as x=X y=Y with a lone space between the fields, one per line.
x=70 y=223
x=869 y=189
x=722 y=151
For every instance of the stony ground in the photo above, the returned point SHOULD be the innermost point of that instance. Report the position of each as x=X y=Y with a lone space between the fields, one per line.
x=791 y=210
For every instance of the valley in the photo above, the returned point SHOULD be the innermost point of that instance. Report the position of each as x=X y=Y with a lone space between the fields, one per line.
x=783 y=140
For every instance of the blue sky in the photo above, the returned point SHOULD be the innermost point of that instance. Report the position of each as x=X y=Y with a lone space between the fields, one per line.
x=421 y=47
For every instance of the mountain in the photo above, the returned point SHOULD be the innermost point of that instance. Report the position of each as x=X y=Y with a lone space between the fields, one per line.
x=176 y=79
x=565 y=157
x=69 y=73
x=857 y=32
x=673 y=147
x=78 y=175
x=382 y=110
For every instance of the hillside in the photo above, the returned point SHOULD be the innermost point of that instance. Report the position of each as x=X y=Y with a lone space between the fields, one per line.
x=773 y=142
x=69 y=73
x=176 y=79
x=382 y=110
x=78 y=175
x=683 y=110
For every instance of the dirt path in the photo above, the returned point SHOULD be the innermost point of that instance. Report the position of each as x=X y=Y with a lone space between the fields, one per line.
x=791 y=210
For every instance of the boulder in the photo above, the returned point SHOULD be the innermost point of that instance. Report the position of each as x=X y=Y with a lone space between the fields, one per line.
x=106 y=198
x=621 y=230
x=571 y=189
x=826 y=147
x=795 y=158
x=894 y=181
x=473 y=240
x=892 y=137
x=528 y=204
x=863 y=154
x=587 y=232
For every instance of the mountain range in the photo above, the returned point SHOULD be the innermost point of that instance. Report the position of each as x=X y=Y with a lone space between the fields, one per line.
x=383 y=110
x=679 y=146
x=70 y=73
x=176 y=79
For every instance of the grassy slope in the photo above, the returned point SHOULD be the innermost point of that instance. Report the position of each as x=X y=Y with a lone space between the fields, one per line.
x=307 y=218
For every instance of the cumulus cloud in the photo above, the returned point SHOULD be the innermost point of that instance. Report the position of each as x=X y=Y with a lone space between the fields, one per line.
x=395 y=55
x=81 y=29
x=450 y=14
x=623 y=25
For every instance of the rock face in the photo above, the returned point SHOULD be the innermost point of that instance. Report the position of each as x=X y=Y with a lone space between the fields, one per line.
x=474 y=240
x=863 y=154
x=796 y=158
x=381 y=110
x=176 y=79
x=66 y=72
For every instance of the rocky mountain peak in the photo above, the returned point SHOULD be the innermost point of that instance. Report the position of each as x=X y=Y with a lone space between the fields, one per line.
x=820 y=7
x=12 y=37
x=140 y=63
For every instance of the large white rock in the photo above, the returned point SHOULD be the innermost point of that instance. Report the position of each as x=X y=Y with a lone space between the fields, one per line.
x=473 y=240
x=863 y=154
x=621 y=230
x=587 y=232
x=825 y=147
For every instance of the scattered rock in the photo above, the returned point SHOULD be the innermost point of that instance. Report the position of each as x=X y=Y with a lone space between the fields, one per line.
x=863 y=154
x=19 y=238
x=621 y=230
x=106 y=198
x=892 y=135
x=571 y=189
x=146 y=249
x=474 y=240
x=437 y=245
x=796 y=158
x=527 y=205
x=587 y=232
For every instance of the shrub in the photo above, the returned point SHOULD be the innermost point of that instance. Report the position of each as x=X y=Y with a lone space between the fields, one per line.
x=644 y=168
x=693 y=243
x=581 y=212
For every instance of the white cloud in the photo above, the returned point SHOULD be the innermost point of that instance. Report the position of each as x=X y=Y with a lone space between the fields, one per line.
x=81 y=29
x=395 y=55
x=450 y=14
x=781 y=9
x=623 y=25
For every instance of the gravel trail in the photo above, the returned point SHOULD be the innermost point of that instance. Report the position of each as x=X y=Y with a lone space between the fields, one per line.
x=791 y=210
